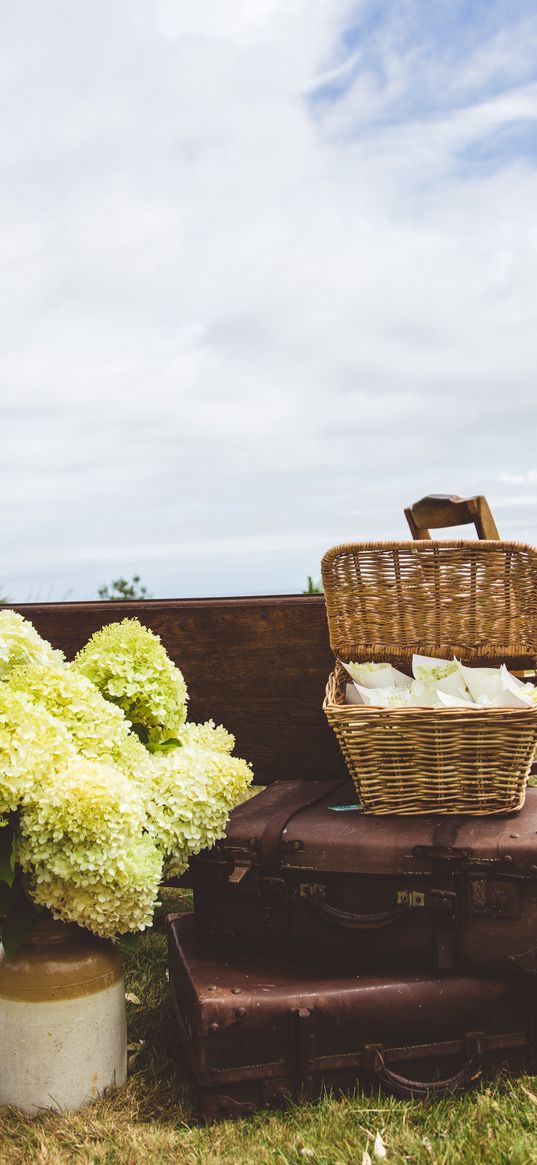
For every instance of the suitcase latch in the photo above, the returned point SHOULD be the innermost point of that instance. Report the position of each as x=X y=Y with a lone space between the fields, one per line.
x=314 y=890
x=492 y=899
x=238 y=872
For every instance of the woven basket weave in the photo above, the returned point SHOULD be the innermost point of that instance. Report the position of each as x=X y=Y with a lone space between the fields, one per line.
x=475 y=600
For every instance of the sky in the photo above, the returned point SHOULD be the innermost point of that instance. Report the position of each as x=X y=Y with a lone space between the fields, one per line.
x=268 y=276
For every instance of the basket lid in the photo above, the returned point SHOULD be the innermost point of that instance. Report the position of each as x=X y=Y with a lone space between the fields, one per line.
x=476 y=599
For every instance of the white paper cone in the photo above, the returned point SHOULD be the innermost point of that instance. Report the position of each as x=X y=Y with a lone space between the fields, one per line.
x=450 y=701
x=373 y=697
x=381 y=677
x=453 y=685
x=352 y=695
x=515 y=694
x=511 y=700
x=482 y=681
x=422 y=695
x=428 y=662
x=511 y=683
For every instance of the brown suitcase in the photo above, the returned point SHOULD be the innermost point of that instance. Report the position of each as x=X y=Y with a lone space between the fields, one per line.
x=257 y=1032
x=433 y=893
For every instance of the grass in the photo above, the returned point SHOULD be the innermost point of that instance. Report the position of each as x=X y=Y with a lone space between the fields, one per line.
x=152 y=1120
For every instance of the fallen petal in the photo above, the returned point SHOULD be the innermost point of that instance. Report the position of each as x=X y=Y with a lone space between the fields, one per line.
x=379 y=1148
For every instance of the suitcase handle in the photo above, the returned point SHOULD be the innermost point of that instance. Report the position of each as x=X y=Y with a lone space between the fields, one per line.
x=409 y=1089
x=351 y=921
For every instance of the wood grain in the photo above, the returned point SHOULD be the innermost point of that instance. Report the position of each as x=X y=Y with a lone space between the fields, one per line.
x=257 y=665
x=438 y=511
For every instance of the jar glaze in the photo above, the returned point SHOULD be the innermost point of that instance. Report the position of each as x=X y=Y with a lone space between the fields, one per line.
x=63 y=1030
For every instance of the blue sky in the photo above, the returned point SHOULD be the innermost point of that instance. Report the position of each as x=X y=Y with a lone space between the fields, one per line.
x=269 y=275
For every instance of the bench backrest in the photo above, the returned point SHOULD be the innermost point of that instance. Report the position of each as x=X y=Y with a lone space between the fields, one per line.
x=257 y=665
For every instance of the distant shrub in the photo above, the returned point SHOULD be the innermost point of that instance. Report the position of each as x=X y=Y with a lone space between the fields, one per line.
x=121 y=588
x=313 y=588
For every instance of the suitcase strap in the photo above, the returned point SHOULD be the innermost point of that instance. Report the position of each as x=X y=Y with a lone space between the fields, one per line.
x=296 y=800
x=274 y=886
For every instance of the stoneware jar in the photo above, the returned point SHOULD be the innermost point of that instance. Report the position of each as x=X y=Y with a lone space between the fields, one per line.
x=63 y=1031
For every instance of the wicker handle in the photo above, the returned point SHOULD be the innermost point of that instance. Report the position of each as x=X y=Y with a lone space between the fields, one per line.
x=408 y=1089
x=437 y=511
x=350 y=921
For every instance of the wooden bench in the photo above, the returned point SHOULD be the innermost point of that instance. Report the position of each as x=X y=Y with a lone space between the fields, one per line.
x=257 y=665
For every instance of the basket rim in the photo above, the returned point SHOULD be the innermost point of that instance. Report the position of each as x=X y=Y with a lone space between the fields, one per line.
x=516 y=655
x=353 y=710
x=484 y=546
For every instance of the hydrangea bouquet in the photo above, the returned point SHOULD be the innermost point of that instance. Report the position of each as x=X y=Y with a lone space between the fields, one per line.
x=102 y=780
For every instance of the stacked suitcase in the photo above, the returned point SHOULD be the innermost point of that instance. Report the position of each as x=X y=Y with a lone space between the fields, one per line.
x=333 y=949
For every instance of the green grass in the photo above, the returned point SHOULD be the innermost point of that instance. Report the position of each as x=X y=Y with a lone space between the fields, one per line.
x=152 y=1120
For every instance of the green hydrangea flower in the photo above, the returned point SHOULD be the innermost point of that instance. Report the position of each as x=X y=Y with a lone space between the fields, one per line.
x=122 y=900
x=20 y=644
x=33 y=744
x=81 y=844
x=208 y=735
x=97 y=811
x=129 y=665
x=192 y=795
x=98 y=729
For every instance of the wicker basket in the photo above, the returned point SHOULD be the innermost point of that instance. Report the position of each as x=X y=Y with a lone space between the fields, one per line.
x=475 y=600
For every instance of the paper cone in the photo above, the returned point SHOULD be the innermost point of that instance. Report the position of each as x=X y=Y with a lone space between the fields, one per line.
x=380 y=677
x=482 y=681
x=352 y=695
x=422 y=695
x=374 y=697
x=453 y=685
x=430 y=662
x=450 y=701
x=511 y=700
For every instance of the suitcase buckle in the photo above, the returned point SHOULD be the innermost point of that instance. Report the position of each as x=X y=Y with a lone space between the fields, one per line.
x=275 y=891
x=238 y=872
x=443 y=904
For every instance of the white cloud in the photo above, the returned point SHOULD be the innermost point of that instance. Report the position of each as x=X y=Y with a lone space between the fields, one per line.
x=235 y=327
x=517 y=478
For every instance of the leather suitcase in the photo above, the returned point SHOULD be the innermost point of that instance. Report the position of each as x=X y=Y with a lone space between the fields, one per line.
x=297 y=872
x=257 y=1031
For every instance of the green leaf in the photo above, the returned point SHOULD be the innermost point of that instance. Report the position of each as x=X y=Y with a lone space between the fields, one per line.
x=165 y=745
x=7 y=855
x=18 y=924
x=141 y=732
x=128 y=941
x=7 y=896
